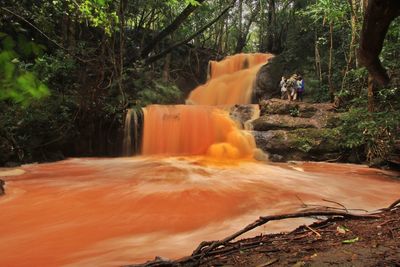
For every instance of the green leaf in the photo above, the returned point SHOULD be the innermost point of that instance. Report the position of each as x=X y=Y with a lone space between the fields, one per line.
x=350 y=241
x=8 y=43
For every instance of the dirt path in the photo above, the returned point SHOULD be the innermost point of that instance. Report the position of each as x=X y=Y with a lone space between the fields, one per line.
x=332 y=242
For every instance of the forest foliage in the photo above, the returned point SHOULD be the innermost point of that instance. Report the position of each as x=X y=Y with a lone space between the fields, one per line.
x=69 y=68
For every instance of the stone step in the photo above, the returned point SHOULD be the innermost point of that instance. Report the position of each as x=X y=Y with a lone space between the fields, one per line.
x=284 y=122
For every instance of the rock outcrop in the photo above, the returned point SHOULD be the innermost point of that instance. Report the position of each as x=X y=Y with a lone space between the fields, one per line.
x=297 y=131
x=266 y=85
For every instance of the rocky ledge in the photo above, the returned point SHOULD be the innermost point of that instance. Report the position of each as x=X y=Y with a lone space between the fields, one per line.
x=297 y=130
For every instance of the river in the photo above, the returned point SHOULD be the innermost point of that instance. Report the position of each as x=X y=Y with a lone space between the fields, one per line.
x=110 y=212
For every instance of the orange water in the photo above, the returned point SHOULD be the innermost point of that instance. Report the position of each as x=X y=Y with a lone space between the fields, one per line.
x=203 y=128
x=231 y=80
x=194 y=130
x=237 y=62
x=110 y=212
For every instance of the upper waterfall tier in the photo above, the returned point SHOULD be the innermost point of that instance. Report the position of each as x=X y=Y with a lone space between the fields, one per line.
x=230 y=80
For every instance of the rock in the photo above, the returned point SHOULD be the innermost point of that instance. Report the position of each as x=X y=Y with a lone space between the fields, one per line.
x=266 y=85
x=276 y=158
x=260 y=155
x=54 y=156
x=271 y=141
x=11 y=164
x=289 y=130
x=2 y=184
x=300 y=144
x=244 y=113
x=285 y=107
x=276 y=122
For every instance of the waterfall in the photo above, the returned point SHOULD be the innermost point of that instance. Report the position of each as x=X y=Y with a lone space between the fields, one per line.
x=205 y=127
x=133 y=127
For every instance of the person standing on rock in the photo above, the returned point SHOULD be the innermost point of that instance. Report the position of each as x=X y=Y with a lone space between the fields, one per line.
x=282 y=84
x=300 y=88
x=292 y=87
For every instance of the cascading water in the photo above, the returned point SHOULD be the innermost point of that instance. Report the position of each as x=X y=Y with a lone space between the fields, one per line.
x=194 y=130
x=230 y=80
x=133 y=127
x=127 y=142
x=204 y=127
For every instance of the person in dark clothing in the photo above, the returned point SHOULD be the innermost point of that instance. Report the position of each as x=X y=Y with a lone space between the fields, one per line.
x=300 y=88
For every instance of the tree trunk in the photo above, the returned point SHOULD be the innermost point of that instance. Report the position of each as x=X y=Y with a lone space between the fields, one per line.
x=71 y=35
x=166 y=68
x=239 y=41
x=318 y=68
x=262 y=46
x=353 y=41
x=271 y=26
x=371 y=97
x=331 y=88
x=377 y=18
x=122 y=9
x=245 y=29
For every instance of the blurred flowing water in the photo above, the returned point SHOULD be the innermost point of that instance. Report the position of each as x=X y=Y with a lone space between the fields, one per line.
x=110 y=212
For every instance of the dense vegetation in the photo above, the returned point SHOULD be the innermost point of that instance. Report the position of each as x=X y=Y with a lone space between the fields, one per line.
x=69 y=69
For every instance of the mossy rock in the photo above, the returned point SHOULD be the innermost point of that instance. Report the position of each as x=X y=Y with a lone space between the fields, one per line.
x=300 y=144
x=285 y=107
x=315 y=140
x=284 y=122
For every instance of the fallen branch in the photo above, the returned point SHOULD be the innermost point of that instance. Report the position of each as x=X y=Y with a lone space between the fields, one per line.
x=394 y=204
x=224 y=247
x=337 y=203
x=203 y=250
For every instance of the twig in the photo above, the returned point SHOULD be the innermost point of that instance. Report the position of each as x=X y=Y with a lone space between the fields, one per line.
x=303 y=205
x=394 y=204
x=315 y=232
x=331 y=201
x=386 y=222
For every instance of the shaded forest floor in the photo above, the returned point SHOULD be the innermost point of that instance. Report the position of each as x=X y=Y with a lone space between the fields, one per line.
x=331 y=242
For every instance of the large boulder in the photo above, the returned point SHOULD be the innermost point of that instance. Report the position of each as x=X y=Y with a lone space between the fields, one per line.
x=306 y=110
x=297 y=131
x=275 y=122
x=266 y=85
x=300 y=144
